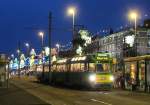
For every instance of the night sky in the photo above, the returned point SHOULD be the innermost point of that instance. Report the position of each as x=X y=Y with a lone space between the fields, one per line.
x=21 y=20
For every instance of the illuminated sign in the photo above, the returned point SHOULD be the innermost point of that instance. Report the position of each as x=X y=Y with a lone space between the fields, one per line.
x=130 y=40
x=62 y=61
x=79 y=58
x=47 y=51
x=103 y=57
x=32 y=52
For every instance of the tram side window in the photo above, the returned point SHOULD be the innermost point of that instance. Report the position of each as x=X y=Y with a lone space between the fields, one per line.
x=77 y=67
x=53 y=67
x=82 y=67
x=106 y=67
x=58 y=68
x=92 y=67
x=72 y=68
x=63 y=67
x=46 y=68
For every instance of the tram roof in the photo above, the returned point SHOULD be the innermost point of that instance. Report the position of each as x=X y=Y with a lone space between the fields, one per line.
x=144 y=57
x=75 y=59
x=85 y=58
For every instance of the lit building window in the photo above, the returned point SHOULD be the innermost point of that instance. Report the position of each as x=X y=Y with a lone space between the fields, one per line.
x=148 y=45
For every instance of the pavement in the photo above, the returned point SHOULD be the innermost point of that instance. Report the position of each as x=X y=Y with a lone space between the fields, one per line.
x=17 y=96
x=66 y=96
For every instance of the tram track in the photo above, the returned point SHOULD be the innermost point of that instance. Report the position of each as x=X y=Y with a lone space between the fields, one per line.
x=65 y=96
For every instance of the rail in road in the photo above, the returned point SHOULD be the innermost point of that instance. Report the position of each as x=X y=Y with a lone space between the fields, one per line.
x=65 y=96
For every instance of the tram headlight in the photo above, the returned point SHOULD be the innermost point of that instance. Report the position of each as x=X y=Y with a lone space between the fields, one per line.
x=112 y=78
x=92 y=78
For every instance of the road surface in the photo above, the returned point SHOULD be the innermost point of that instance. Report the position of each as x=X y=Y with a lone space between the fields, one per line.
x=65 y=96
x=17 y=96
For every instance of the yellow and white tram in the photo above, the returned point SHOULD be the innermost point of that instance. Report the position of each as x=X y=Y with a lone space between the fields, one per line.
x=92 y=71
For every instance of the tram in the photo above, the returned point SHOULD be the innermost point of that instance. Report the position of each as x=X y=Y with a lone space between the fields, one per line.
x=94 y=71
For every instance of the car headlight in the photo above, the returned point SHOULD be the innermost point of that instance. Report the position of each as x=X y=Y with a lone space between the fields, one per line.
x=92 y=78
x=112 y=78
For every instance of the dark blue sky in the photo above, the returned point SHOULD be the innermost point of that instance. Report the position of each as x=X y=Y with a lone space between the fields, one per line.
x=19 y=19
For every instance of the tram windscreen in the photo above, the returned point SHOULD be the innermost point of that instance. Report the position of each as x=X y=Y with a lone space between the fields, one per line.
x=100 y=67
x=103 y=67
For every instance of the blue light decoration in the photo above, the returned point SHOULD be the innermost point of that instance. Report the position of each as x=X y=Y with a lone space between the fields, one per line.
x=22 y=61
x=15 y=64
x=46 y=59
x=11 y=64
x=27 y=61
x=36 y=60
x=32 y=60
x=47 y=50
x=40 y=61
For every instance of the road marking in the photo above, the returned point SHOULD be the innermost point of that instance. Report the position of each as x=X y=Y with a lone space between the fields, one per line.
x=100 y=102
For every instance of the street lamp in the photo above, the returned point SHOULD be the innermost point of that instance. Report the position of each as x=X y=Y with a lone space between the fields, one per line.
x=41 y=34
x=72 y=11
x=28 y=51
x=133 y=15
x=18 y=51
x=28 y=48
x=12 y=56
x=27 y=44
x=58 y=46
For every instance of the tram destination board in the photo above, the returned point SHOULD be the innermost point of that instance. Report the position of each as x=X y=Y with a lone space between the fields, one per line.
x=103 y=57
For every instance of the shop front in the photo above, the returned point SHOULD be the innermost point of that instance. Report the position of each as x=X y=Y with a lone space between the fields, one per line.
x=137 y=73
x=3 y=71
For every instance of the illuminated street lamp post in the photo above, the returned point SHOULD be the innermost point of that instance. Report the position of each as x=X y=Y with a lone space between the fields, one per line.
x=28 y=51
x=58 y=46
x=133 y=15
x=18 y=52
x=41 y=34
x=28 y=48
x=12 y=56
x=72 y=11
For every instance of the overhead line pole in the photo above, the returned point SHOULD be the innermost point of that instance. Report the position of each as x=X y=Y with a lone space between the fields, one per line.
x=49 y=41
x=19 y=52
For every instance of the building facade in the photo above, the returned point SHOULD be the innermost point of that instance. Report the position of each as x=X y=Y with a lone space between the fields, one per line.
x=122 y=44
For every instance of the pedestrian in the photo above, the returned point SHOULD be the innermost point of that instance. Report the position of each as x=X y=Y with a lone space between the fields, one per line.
x=133 y=85
x=122 y=81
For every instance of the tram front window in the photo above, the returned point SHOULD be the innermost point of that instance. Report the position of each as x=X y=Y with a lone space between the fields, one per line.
x=99 y=68
x=106 y=67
